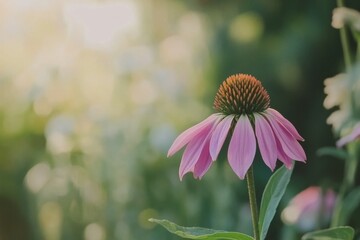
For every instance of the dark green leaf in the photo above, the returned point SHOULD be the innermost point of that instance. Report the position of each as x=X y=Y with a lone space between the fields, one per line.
x=274 y=190
x=337 y=233
x=200 y=233
x=332 y=151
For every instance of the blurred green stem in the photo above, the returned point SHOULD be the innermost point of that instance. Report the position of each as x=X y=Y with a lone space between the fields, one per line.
x=345 y=41
x=253 y=204
x=357 y=37
x=351 y=165
x=352 y=162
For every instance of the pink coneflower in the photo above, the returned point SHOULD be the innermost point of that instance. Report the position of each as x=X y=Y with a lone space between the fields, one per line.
x=243 y=110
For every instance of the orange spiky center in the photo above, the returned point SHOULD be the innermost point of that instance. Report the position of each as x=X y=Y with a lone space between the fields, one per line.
x=241 y=94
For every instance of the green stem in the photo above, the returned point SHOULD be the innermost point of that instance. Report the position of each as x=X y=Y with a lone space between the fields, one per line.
x=253 y=204
x=351 y=162
x=345 y=42
x=338 y=206
x=358 y=48
x=351 y=165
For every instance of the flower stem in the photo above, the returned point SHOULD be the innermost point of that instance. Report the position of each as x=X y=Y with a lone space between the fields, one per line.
x=344 y=41
x=351 y=165
x=253 y=204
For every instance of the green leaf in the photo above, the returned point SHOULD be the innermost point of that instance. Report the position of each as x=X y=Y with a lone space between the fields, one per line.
x=200 y=233
x=332 y=151
x=337 y=233
x=350 y=203
x=274 y=190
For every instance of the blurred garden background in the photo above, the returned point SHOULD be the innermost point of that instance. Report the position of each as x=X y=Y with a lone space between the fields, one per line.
x=92 y=93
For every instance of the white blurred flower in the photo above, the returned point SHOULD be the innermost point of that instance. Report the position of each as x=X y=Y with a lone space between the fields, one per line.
x=336 y=89
x=339 y=117
x=343 y=16
x=343 y=91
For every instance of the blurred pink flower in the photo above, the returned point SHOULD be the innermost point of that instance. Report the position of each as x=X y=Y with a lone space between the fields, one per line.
x=354 y=135
x=309 y=207
x=243 y=106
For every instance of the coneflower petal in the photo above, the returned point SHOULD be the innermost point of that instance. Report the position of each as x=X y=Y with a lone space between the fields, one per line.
x=281 y=155
x=191 y=133
x=266 y=141
x=288 y=143
x=192 y=153
x=286 y=123
x=219 y=136
x=204 y=162
x=242 y=147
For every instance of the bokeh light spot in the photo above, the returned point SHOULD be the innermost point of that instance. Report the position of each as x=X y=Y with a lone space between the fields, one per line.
x=94 y=231
x=246 y=27
x=144 y=217
x=51 y=219
x=143 y=92
x=37 y=177
x=95 y=22
x=290 y=215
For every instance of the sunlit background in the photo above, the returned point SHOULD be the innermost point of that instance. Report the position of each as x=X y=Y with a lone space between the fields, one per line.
x=94 y=92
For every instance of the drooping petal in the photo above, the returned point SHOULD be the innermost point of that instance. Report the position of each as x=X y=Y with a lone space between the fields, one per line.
x=192 y=133
x=288 y=143
x=281 y=155
x=266 y=141
x=192 y=153
x=286 y=123
x=349 y=138
x=204 y=162
x=219 y=136
x=242 y=147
